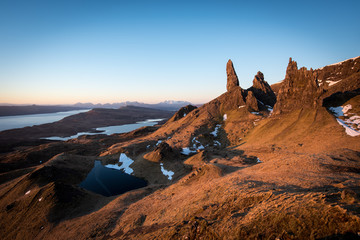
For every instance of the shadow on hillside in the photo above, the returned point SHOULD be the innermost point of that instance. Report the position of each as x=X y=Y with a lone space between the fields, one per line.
x=339 y=98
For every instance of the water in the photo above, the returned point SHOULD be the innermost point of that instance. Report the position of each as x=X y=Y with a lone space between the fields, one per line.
x=11 y=122
x=111 y=130
x=110 y=182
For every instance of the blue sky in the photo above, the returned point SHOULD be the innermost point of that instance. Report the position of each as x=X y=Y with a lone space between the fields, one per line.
x=61 y=52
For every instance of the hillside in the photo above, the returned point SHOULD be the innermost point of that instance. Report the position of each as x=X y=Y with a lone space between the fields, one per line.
x=251 y=164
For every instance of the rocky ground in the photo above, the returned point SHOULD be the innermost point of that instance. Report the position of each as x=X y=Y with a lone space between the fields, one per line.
x=241 y=170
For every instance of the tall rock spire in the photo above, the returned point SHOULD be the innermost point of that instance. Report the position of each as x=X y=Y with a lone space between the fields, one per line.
x=232 y=79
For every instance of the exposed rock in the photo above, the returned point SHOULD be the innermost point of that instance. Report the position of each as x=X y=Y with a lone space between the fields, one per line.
x=298 y=90
x=182 y=113
x=161 y=152
x=251 y=102
x=262 y=90
x=232 y=79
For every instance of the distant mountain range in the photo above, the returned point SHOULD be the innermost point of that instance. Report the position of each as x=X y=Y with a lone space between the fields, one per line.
x=169 y=105
x=7 y=109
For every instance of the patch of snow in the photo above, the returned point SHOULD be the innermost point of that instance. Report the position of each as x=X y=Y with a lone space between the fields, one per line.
x=260 y=102
x=147 y=146
x=242 y=106
x=349 y=131
x=217 y=143
x=337 y=111
x=187 y=151
x=27 y=192
x=320 y=82
x=332 y=82
x=348 y=122
x=225 y=117
x=256 y=113
x=158 y=142
x=258 y=160
x=355 y=119
x=269 y=108
x=40 y=199
x=346 y=108
x=201 y=147
x=40 y=161
x=167 y=173
x=215 y=132
x=125 y=164
x=184 y=115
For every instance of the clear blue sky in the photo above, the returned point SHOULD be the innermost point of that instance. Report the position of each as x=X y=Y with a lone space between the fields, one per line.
x=69 y=51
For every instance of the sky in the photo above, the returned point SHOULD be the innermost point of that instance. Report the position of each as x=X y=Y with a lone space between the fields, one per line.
x=69 y=51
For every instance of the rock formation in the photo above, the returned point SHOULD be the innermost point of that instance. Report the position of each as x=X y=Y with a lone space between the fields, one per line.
x=161 y=152
x=232 y=79
x=298 y=90
x=252 y=102
x=182 y=112
x=262 y=90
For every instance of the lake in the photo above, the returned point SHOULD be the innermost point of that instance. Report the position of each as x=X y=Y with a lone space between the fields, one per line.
x=111 y=130
x=108 y=181
x=20 y=121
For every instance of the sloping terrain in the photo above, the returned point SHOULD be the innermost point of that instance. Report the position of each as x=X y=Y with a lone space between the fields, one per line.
x=241 y=170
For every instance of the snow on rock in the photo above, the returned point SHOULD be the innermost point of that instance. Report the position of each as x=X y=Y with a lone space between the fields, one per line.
x=256 y=113
x=349 y=131
x=187 y=151
x=337 y=111
x=258 y=160
x=27 y=192
x=351 y=124
x=125 y=164
x=167 y=173
x=184 y=115
x=160 y=141
x=201 y=147
x=215 y=132
x=225 y=117
x=334 y=64
x=217 y=143
x=332 y=82
x=242 y=106
x=40 y=199
x=346 y=109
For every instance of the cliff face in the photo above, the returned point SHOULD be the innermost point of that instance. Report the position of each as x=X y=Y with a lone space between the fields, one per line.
x=299 y=89
x=303 y=88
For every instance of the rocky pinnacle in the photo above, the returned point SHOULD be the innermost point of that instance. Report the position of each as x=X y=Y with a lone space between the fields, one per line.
x=232 y=79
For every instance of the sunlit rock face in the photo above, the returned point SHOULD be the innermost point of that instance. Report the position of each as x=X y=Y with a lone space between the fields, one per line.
x=232 y=79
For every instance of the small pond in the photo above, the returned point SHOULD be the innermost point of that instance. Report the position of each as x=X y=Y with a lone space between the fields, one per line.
x=109 y=181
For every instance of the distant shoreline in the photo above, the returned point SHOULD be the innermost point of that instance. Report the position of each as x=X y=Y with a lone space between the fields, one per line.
x=34 y=109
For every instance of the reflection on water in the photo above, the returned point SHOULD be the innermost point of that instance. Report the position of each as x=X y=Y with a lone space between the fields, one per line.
x=111 y=130
x=11 y=122
x=110 y=182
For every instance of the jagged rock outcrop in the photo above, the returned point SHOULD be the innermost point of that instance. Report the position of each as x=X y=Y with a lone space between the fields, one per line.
x=262 y=90
x=162 y=151
x=182 y=113
x=298 y=90
x=232 y=79
x=252 y=102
